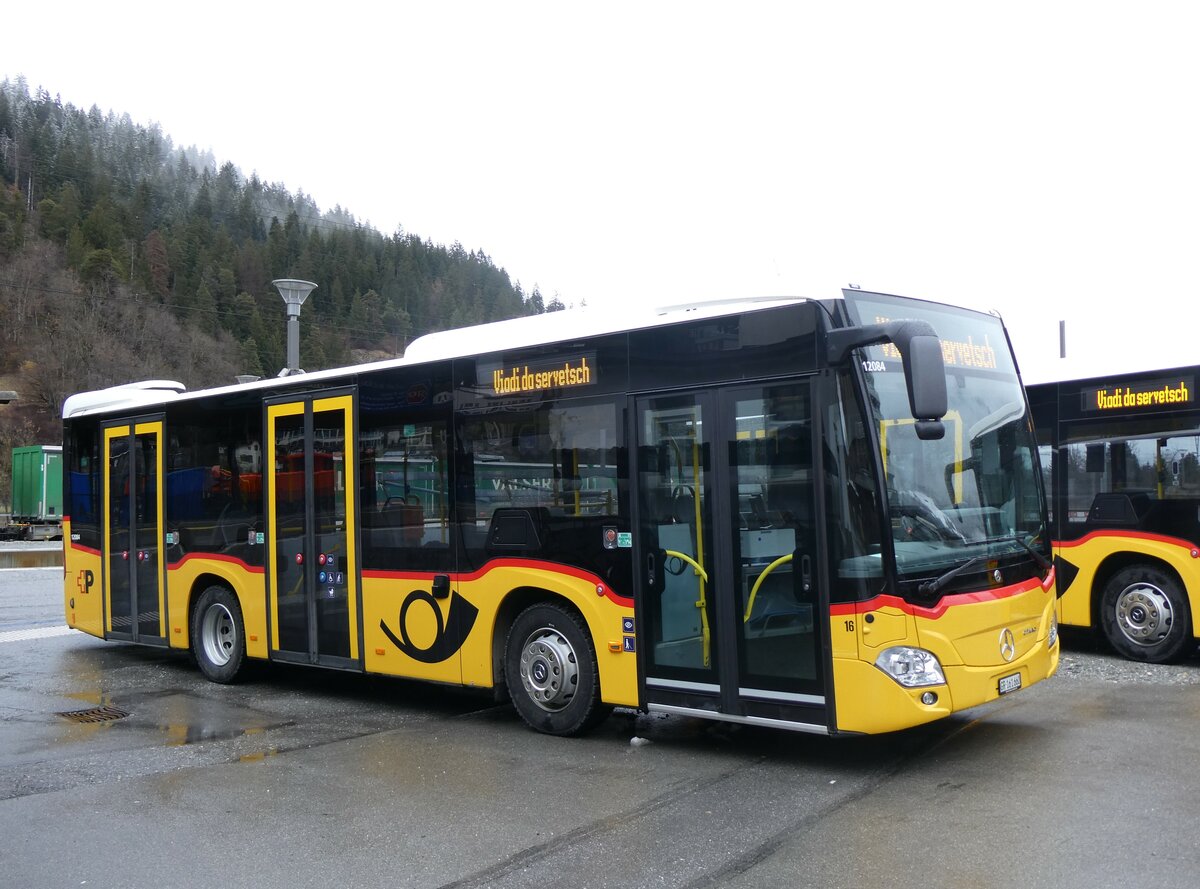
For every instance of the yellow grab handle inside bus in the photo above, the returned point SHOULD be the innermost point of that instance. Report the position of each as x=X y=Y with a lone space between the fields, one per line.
x=782 y=560
x=700 y=603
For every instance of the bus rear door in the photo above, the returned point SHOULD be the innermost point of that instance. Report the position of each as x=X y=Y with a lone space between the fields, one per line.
x=134 y=582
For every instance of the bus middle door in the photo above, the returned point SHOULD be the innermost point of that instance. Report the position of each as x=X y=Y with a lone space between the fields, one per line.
x=313 y=576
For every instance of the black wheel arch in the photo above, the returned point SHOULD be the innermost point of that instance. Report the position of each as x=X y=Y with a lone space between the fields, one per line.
x=516 y=601
x=199 y=585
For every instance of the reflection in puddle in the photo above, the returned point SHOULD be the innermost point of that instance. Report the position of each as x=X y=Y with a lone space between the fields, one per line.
x=174 y=718
x=259 y=756
x=188 y=719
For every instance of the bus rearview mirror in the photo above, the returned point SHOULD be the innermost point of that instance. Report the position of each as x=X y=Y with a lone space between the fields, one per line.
x=925 y=372
x=924 y=368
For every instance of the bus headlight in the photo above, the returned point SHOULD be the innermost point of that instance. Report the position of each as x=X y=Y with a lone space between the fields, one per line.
x=911 y=667
x=1052 y=636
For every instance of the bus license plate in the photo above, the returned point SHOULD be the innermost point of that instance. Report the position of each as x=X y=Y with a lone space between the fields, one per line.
x=1010 y=683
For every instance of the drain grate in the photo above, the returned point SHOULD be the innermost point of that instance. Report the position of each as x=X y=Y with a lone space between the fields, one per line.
x=95 y=714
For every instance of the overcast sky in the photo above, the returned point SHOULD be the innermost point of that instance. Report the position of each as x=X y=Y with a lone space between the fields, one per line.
x=1040 y=159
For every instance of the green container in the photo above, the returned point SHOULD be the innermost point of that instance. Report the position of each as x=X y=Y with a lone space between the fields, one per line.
x=37 y=484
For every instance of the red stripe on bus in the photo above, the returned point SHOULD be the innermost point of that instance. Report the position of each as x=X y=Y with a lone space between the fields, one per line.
x=215 y=557
x=555 y=567
x=1136 y=535
x=973 y=598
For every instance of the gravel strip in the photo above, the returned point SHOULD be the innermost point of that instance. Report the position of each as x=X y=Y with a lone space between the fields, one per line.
x=1084 y=658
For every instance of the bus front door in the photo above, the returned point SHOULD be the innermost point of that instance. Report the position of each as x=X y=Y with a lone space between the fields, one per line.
x=313 y=575
x=134 y=582
x=729 y=612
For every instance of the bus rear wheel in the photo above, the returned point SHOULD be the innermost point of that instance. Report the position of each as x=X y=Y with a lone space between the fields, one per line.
x=218 y=635
x=1144 y=614
x=550 y=669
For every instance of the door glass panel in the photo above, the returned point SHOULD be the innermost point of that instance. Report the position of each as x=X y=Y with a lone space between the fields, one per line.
x=771 y=477
x=332 y=564
x=676 y=535
x=145 y=553
x=120 y=606
x=290 y=529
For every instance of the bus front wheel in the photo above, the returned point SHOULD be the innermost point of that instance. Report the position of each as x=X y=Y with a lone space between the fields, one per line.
x=218 y=635
x=1145 y=616
x=550 y=669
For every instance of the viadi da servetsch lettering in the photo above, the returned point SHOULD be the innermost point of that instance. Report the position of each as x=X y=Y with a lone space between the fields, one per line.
x=524 y=379
x=1108 y=399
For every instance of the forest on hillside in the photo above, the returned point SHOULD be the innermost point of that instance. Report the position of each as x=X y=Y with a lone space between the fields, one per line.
x=125 y=257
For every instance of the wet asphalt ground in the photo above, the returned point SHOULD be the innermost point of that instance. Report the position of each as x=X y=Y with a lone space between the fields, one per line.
x=303 y=778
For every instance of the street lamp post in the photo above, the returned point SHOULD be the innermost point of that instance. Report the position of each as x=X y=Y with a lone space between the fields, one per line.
x=294 y=293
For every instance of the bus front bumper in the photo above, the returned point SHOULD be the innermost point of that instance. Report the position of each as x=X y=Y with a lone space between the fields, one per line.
x=869 y=701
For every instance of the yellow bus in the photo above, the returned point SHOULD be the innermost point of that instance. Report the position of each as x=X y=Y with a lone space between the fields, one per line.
x=1122 y=457
x=819 y=515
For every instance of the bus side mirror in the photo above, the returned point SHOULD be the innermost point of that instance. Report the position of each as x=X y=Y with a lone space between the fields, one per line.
x=924 y=369
x=925 y=373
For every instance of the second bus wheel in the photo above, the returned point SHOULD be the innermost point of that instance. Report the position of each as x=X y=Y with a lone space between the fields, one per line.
x=218 y=635
x=1145 y=615
x=550 y=668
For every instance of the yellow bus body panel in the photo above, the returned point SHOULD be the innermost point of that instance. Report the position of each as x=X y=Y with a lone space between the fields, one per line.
x=963 y=632
x=83 y=597
x=247 y=583
x=486 y=590
x=1090 y=552
x=384 y=595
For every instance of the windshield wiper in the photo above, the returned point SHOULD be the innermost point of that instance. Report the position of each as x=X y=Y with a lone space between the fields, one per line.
x=1037 y=557
x=932 y=587
x=935 y=586
x=1022 y=542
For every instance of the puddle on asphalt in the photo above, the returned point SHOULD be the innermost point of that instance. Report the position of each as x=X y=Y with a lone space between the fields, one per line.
x=179 y=718
x=189 y=719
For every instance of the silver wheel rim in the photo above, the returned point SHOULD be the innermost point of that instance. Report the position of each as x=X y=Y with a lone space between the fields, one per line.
x=218 y=634
x=549 y=669
x=1144 y=614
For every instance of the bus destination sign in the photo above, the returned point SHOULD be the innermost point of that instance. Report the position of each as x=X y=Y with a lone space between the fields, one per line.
x=955 y=353
x=540 y=376
x=1166 y=392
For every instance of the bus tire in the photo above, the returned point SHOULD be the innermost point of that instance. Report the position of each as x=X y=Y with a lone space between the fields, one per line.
x=1144 y=614
x=550 y=668
x=218 y=635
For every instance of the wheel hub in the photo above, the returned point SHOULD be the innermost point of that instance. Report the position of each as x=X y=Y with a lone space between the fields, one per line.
x=549 y=671
x=217 y=634
x=1144 y=614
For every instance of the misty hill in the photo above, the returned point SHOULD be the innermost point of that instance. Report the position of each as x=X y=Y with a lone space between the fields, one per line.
x=124 y=257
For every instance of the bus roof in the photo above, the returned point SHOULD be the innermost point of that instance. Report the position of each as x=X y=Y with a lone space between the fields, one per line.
x=481 y=339
x=554 y=327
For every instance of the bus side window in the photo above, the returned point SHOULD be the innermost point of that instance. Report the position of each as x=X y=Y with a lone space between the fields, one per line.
x=404 y=494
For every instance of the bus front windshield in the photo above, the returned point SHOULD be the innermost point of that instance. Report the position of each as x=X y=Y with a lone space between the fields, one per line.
x=975 y=495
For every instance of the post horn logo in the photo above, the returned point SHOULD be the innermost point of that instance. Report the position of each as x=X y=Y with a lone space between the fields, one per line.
x=451 y=633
